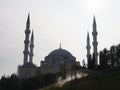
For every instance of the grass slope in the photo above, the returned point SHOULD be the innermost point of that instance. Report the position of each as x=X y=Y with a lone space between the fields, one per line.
x=106 y=80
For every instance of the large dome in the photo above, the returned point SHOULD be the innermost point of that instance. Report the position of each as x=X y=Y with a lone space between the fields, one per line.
x=60 y=52
x=55 y=59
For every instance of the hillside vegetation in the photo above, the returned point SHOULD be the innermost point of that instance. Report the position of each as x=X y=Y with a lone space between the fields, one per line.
x=105 y=80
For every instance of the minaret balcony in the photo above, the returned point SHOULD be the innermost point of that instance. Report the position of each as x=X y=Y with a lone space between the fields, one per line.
x=27 y=31
x=26 y=41
x=31 y=46
x=26 y=52
x=94 y=33
x=95 y=43
x=88 y=47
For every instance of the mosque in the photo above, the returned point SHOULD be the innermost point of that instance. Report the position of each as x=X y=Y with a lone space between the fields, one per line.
x=54 y=60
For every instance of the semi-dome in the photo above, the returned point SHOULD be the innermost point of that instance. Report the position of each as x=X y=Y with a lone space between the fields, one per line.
x=60 y=52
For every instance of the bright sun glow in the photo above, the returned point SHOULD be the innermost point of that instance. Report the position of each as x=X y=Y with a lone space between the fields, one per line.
x=94 y=5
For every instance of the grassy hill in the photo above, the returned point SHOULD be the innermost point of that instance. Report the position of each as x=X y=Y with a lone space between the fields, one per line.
x=105 y=80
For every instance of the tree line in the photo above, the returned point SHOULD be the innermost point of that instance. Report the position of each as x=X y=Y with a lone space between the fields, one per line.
x=14 y=83
x=109 y=58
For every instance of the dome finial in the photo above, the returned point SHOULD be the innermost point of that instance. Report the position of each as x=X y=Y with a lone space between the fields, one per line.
x=60 y=45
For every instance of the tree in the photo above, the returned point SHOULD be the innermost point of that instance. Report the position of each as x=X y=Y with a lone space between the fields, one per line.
x=10 y=83
x=118 y=55
x=104 y=58
x=113 y=55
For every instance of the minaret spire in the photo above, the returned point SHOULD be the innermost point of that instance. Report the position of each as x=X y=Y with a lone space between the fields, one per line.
x=26 y=41
x=28 y=22
x=88 y=47
x=94 y=20
x=31 y=47
x=95 y=43
x=94 y=25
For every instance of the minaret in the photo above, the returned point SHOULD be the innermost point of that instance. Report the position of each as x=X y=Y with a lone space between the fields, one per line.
x=31 y=47
x=26 y=41
x=88 y=48
x=95 y=43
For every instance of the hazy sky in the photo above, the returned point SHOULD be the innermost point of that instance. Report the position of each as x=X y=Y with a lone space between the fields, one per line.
x=55 y=21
